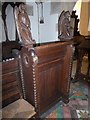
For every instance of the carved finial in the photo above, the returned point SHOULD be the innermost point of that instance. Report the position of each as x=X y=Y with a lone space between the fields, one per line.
x=23 y=25
x=65 y=31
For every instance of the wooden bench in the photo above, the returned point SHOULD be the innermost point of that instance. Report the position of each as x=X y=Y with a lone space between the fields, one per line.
x=14 y=105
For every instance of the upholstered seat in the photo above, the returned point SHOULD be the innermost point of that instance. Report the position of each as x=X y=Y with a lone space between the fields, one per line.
x=18 y=109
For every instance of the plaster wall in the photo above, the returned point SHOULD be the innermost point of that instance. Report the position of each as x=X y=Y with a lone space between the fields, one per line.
x=84 y=18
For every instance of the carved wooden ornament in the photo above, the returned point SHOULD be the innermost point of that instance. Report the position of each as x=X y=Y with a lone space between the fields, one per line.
x=65 y=30
x=23 y=25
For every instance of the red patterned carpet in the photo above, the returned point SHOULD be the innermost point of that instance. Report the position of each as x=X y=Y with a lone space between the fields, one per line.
x=76 y=108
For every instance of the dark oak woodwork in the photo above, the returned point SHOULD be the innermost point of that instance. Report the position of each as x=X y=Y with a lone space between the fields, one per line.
x=47 y=78
x=77 y=37
x=76 y=21
x=46 y=67
x=14 y=106
x=83 y=48
x=23 y=25
x=65 y=30
x=8 y=47
x=10 y=74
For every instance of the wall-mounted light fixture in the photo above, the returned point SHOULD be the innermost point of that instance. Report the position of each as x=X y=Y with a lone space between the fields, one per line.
x=40 y=10
x=41 y=17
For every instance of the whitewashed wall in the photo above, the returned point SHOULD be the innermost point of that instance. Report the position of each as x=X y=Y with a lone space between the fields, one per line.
x=2 y=32
x=34 y=22
x=43 y=32
x=48 y=30
x=40 y=32
x=10 y=23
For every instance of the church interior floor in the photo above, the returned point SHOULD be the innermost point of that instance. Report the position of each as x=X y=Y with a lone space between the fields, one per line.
x=79 y=100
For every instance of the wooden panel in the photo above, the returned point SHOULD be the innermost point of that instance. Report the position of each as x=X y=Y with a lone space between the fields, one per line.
x=10 y=77
x=49 y=77
x=28 y=75
x=9 y=66
x=66 y=74
x=46 y=74
x=10 y=93
x=50 y=52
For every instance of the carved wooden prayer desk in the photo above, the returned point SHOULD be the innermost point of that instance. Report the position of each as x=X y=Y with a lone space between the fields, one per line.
x=46 y=68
